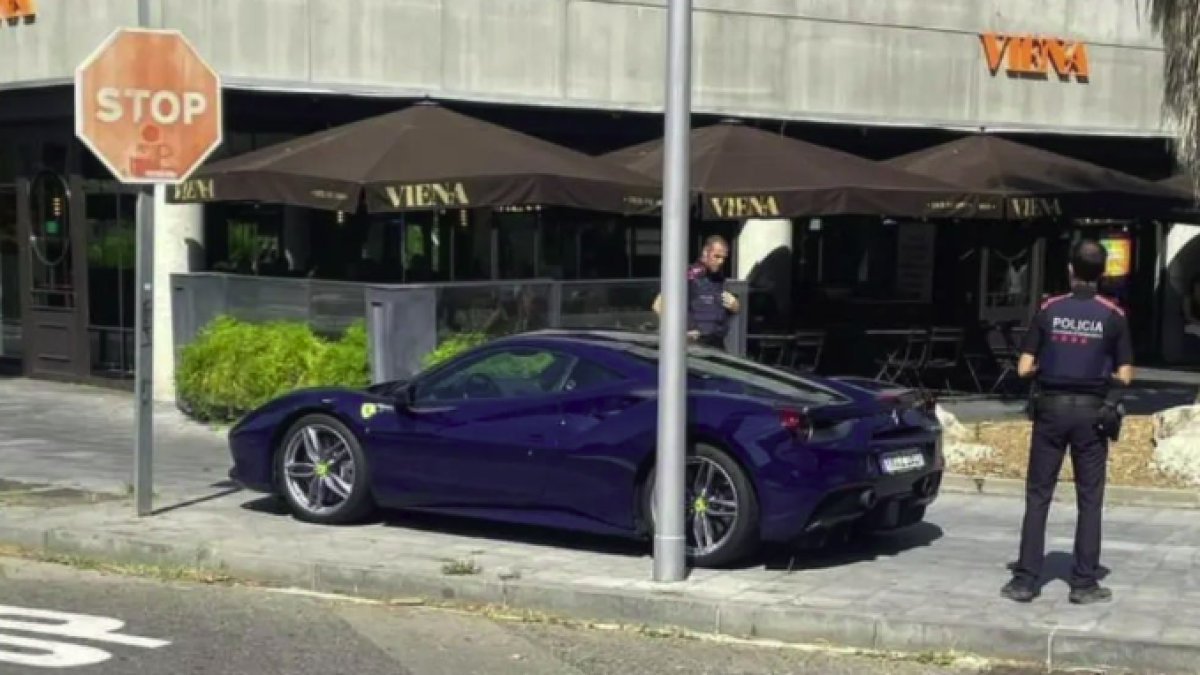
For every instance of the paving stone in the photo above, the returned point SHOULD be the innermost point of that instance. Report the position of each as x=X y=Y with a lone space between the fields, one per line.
x=934 y=585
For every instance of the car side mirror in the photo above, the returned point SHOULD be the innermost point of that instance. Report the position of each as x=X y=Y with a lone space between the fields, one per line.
x=404 y=398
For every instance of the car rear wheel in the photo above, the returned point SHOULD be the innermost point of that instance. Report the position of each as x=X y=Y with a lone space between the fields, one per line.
x=721 y=513
x=322 y=472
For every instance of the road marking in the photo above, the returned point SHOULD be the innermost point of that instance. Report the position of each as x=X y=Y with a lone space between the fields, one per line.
x=53 y=654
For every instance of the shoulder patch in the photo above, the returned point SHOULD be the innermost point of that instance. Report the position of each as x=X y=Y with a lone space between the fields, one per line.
x=695 y=272
x=1051 y=301
x=1110 y=304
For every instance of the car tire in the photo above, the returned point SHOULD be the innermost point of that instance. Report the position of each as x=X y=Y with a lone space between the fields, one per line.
x=743 y=537
x=357 y=505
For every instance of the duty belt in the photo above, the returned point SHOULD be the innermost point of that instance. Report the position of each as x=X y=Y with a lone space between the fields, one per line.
x=1051 y=399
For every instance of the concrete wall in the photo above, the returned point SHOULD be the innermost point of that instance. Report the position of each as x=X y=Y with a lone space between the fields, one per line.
x=890 y=61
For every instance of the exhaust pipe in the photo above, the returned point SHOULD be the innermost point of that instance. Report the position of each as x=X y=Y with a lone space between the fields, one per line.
x=925 y=486
x=867 y=498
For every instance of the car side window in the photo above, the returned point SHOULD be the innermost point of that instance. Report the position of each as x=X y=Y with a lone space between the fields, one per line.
x=588 y=374
x=500 y=374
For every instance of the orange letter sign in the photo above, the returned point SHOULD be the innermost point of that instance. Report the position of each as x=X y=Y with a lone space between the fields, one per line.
x=17 y=9
x=1025 y=55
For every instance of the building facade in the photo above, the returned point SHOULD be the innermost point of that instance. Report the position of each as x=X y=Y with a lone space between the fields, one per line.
x=879 y=78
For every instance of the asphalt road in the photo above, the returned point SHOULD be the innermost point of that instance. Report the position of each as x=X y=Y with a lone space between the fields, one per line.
x=173 y=628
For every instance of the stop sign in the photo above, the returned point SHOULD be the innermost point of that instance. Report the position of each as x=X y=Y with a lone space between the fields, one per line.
x=148 y=106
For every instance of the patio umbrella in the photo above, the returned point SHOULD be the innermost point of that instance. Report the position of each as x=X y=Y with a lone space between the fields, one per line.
x=1189 y=212
x=742 y=172
x=1034 y=183
x=424 y=157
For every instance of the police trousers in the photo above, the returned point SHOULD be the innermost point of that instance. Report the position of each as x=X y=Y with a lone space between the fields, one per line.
x=1059 y=423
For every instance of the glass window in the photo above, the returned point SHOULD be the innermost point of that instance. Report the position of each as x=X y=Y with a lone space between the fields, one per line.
x=498 y=374
x=10 y=288
x=723 y=372
x=855 y=257
x=518 y=253
x=50 y=244
x=589 y=374
x=472 y=246
x=112 y=302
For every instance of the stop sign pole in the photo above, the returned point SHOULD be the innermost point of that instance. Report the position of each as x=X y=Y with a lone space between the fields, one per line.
x=150 y=109
x=143 y=388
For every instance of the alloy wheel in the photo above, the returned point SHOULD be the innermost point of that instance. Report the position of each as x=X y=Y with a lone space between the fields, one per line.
x=319 y=469
x=712 y=502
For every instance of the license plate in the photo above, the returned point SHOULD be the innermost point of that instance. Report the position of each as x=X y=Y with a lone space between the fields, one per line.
x=899 y=462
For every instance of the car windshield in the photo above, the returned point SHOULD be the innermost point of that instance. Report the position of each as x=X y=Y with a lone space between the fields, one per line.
x=741 y=375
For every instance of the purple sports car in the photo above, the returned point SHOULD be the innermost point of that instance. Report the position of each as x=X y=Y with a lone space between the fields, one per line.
x=558 y=428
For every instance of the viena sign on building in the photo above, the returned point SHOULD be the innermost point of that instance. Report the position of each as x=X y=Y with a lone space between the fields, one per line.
x=15 y=10
x=1035 y=57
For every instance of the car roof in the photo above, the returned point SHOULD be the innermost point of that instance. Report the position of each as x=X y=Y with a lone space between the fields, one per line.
x=605 y=338
x=600 y=337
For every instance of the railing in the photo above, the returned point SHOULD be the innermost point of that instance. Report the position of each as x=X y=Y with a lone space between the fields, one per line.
x=407 y=322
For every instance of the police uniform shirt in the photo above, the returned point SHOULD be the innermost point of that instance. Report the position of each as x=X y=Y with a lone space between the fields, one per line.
x=705 y=311
x=1079 y=340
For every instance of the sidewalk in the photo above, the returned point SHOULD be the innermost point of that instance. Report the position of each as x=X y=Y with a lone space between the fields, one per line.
x=934 y=588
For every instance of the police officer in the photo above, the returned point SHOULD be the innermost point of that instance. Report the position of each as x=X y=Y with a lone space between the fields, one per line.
x=709 y=304
x=1075 y=346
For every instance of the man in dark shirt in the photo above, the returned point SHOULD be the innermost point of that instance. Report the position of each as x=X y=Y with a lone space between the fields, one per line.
x=1075 y=346
x=709 y=304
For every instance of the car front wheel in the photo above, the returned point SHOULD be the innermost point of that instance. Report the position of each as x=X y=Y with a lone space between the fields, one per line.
x=322 y=472
x=721 y=510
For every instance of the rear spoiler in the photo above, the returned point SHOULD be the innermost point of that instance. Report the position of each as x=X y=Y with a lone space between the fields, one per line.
x=898 y=396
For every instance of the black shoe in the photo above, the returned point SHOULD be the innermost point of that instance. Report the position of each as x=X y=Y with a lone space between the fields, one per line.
x=1019 y=591
x=1090 y=595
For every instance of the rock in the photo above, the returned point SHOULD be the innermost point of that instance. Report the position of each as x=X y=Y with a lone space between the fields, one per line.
x=954 y=431
x=1176 y=421
x=959 y=442
x=961 y=453
x=1178 y=455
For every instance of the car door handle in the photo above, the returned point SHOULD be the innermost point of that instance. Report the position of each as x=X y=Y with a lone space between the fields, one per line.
x=614 y=407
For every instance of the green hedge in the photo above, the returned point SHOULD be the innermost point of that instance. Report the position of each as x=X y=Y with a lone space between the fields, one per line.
x=233 y=367
x=454 y=344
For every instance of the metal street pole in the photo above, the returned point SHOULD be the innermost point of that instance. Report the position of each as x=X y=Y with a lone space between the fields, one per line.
x=143 y=476
x=670 y=543
x=143 y=390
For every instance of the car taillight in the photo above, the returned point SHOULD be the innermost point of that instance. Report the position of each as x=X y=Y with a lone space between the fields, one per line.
x=796 y=422
x=929 y=404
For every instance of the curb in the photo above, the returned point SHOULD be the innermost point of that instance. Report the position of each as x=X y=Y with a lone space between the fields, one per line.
x=656 y=606
x=1114 y=495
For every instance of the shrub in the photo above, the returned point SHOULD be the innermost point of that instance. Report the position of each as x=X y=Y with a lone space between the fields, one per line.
x=344 y=362
x=233 y=367
x=453 y=345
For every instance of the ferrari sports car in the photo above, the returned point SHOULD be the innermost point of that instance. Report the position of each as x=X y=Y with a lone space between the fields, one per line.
x=558 y=428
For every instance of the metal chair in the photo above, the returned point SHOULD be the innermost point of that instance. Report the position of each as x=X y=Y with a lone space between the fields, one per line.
x=769 y=350
x=806 y=349
x=944 y=354
x=1005 y=342
x=905 y=354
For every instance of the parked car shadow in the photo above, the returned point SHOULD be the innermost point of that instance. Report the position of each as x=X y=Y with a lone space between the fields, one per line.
x=462 y=526
x=862 y=548
x=532 y=535
x=828 y=555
